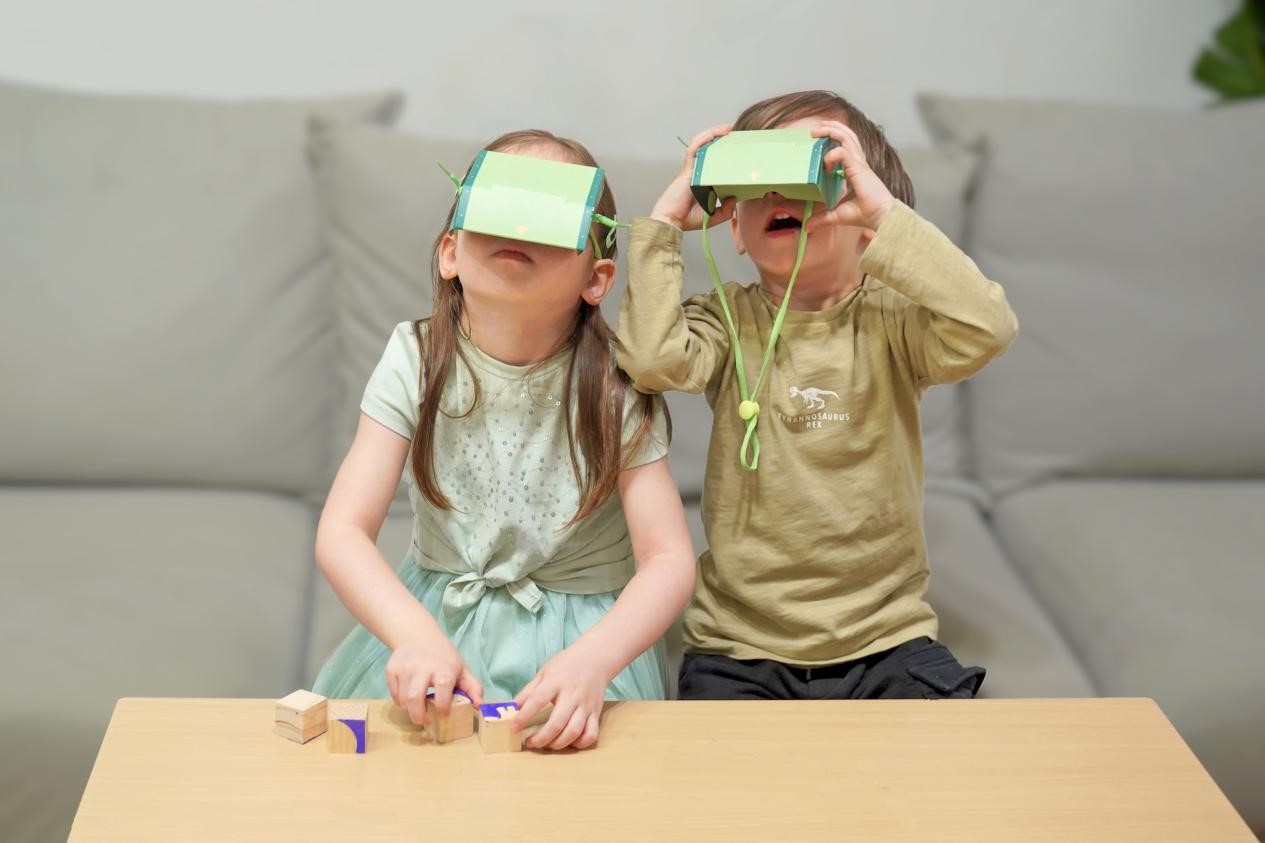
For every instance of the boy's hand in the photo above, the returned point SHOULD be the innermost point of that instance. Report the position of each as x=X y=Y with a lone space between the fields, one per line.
x=677 y=206
x=867 y=198
x=416 y=666
x=576 y=685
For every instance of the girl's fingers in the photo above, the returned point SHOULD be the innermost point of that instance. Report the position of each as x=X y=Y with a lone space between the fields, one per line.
x=589 y=738
x=572 y=731
x=472 y=686
x=393 y=686
x=521 y=697
x=415 y=698
x=555 y=724
x=443 y=694
x=530 y=707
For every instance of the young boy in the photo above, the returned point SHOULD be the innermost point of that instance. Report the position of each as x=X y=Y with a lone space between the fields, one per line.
x=814 y=580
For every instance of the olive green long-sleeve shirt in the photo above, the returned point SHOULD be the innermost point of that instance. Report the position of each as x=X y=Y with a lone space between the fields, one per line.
x=819 y=556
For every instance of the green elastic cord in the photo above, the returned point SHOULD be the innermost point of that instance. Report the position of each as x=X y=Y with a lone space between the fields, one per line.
x=450 y=175
x=748 y=409
x=612 y=225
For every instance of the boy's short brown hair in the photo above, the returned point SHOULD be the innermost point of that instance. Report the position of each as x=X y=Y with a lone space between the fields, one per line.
x=882 y=158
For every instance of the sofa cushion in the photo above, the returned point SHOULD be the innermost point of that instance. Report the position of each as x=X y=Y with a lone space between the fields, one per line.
x=1157 y=586
x=386 y=201
x=987 y=614
x=164 y=314
x=134 y=592
x=1127 y=242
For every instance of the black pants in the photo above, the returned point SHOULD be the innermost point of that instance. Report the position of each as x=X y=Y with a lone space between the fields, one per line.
x=918 y=669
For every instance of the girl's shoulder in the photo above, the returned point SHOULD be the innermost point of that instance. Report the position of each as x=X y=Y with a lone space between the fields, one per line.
x=404 y=345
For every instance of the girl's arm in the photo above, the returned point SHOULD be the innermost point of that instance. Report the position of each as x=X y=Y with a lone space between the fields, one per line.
x=575 y=680
x=348 y=556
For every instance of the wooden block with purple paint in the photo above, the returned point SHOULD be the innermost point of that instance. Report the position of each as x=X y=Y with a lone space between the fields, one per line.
x=495 y=734
x=457 y=725
x=348 y=727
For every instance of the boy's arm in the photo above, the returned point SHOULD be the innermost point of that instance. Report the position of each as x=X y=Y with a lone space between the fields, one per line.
x=960 y=319
x=663 y=344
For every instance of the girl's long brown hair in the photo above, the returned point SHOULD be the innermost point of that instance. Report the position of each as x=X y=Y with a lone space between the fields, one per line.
x=598 y=384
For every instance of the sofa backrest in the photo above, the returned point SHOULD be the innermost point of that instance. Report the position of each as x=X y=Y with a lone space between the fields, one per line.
x=164 y=290
x=1129 y=244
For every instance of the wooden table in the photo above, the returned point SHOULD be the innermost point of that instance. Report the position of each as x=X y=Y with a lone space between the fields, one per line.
x=1001 y=770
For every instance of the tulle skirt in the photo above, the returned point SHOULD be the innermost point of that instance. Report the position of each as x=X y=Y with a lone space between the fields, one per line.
x=503 y=643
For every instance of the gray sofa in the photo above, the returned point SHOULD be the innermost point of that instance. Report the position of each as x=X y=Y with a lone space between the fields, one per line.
x=195 y=292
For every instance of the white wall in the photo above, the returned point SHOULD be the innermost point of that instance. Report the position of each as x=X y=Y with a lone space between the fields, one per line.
x=620 y=74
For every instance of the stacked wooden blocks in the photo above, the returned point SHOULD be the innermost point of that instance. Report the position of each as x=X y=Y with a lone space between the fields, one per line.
x=301 y=716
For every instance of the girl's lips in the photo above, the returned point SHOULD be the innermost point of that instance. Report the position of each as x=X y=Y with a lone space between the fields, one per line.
x=516 y=255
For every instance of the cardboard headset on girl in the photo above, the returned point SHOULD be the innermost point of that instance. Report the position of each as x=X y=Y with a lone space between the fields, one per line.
x=534 y=200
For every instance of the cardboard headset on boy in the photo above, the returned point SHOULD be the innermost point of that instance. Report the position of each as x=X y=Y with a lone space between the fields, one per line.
x=747 y=165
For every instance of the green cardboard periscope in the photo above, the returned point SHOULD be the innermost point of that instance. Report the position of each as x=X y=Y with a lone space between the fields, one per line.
x=534 y=200
x=747 y=165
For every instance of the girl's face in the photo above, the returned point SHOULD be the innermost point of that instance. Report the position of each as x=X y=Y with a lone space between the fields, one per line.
x=534 y=279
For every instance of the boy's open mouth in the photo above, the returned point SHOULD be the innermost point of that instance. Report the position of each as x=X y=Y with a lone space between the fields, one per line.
x=782 y=220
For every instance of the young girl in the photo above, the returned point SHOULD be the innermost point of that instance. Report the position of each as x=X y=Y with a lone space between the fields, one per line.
x=537 y=477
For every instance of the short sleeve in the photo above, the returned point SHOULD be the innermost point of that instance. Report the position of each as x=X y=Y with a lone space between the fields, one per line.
x=392 y=394
x=655 y=444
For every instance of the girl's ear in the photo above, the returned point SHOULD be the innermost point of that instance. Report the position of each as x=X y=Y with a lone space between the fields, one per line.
x=448 y=256
x=733 y=226
x=600 y=282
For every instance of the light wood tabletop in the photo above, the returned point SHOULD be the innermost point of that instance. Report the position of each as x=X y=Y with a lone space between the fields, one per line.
x=980 y=770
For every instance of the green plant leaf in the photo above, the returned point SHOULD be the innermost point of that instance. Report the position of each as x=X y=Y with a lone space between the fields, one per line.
x=1234 y=65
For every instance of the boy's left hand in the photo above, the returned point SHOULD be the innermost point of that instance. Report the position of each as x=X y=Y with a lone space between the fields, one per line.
x=867 y=199
x=576 y=685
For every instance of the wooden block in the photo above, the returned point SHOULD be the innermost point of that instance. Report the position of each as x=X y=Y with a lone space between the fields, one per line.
x=457 y=725
x=495 y=734
x=348 y=727
x=301 y=716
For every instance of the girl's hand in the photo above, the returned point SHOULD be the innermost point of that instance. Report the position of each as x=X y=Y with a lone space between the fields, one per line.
x=576 y=685
x=417 y=665
x=867 y=198
x=677 y=205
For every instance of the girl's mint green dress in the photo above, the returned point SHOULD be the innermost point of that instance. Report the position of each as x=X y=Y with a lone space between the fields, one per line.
x=507 y=581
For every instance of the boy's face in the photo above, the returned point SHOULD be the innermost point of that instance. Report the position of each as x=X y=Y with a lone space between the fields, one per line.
x=768 y=230
x=531 y=276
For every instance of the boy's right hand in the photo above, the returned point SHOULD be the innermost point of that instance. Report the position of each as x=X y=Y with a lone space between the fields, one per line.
x=416 y=666
x=677 y=206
